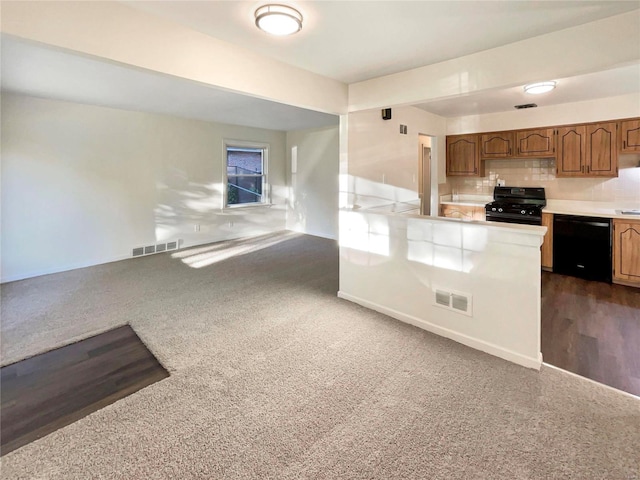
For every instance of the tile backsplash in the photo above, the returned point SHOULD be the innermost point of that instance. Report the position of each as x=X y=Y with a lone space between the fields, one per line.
x=542 y=173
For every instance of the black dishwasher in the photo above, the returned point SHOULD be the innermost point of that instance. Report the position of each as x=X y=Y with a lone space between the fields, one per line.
x=582 y=247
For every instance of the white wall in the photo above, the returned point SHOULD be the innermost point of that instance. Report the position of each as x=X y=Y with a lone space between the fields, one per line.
x=382 y=163
x=392 y=263
x=83 y=185
x=312 y=174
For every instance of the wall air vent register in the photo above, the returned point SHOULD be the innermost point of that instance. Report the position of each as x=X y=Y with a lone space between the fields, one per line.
x=158 y=248
x=451 y=300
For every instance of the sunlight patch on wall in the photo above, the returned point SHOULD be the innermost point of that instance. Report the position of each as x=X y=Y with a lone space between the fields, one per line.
x=357 y=192
x=445 y=245
x=164 y=232
x=358 y=233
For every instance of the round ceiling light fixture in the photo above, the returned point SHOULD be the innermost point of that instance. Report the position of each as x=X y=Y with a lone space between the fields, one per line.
x=541 y=87
x=278 y=19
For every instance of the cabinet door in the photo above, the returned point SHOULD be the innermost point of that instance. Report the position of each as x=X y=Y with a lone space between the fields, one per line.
x=462 y=155
x=546 y=257
x=570 y=148
x=457 y=211
x=626 y=251
x=629 y=140
x=497 y=145
x=479 y=213
x=601 y=151
x=536 y=143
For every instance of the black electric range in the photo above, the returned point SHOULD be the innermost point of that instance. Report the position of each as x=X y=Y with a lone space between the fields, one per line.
x=516 y=205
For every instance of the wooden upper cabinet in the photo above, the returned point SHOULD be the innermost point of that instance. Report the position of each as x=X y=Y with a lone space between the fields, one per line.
x=463 y=155
x=587 y=150
x=626 y=251
x=629 y=136
x=601 y=150
x=570 y=150
x=535 y=143
x=497 y=145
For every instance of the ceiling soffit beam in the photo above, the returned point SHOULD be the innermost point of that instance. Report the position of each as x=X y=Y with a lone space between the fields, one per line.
x=115 y=32
x=587 y=48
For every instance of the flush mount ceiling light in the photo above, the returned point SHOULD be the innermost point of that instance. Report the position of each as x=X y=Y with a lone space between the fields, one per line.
x=541 y=87
x=278 y=19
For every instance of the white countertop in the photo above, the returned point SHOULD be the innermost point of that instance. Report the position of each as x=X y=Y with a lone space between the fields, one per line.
x=592 y=209
x=411 y=210
x=564 y=207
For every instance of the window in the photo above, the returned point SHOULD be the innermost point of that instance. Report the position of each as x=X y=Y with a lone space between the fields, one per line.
x=246 y=174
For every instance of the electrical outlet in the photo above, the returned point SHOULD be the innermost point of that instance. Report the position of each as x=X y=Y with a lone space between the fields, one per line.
x=196 y=227
x=230 y=223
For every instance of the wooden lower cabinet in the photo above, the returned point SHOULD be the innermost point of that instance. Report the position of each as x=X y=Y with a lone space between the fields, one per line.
x=626 y=252
x=546 y=251
x=465 y=212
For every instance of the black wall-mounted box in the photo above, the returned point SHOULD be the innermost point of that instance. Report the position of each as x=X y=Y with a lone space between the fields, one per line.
x=386 y=114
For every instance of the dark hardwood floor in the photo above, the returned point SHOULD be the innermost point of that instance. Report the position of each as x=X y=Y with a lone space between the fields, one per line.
x=592 y=329
x=51 y=390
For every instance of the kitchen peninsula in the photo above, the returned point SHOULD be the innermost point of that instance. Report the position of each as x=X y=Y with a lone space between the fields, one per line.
x=446 y=276
x=626 y=227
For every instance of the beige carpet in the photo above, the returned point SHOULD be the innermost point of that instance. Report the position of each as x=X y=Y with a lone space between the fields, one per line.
x=272 y=376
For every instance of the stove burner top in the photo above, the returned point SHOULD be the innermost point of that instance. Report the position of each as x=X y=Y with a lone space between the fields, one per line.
x=516 y=205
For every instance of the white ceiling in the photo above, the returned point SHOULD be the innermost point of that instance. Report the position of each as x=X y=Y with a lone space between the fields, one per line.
x=608 y=83
x=357 y=40
x=346 y=40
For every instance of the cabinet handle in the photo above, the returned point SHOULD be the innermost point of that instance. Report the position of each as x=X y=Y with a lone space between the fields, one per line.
x=587 y=168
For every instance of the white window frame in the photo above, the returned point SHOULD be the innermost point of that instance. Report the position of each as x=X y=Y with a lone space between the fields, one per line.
x=266 y=187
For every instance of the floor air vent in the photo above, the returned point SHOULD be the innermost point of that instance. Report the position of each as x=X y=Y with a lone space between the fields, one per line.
x=158 y=248
x=452 y=300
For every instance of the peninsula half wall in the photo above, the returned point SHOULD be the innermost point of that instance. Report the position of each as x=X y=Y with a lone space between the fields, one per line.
x=411 y=267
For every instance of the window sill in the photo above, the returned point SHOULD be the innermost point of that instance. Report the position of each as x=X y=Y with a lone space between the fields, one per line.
x=244 y=206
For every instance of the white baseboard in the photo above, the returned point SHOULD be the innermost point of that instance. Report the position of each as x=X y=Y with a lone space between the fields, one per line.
x=117 y=258
x=62 y=268
x=313 y=234
x=490 y=348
